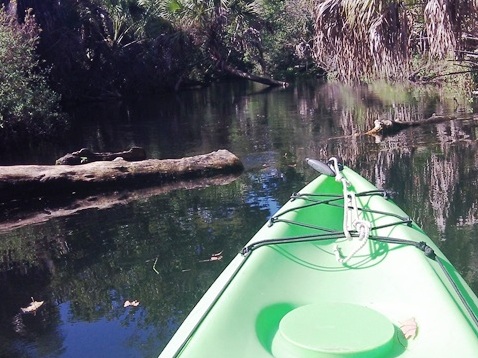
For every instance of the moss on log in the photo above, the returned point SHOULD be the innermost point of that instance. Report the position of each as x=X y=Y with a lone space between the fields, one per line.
x=26 y=181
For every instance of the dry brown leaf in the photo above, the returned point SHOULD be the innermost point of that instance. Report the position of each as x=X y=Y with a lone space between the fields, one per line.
x=214 y=257
x=134 y=303
x=409 y=328
x=34 y=305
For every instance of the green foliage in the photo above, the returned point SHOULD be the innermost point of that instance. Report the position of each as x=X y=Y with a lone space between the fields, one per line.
x=223 y=31
x=105 y=49
x=288 y=42
x=262 y=36
x=26 y=101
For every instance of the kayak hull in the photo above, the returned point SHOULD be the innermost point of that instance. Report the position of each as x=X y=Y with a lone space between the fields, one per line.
x=290 y=293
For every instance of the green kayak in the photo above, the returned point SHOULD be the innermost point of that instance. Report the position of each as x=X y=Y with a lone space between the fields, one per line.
x=338 y=271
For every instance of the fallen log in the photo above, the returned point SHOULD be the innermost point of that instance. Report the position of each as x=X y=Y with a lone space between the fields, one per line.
x=389 y=127
x=27 y=181
x=85 y=155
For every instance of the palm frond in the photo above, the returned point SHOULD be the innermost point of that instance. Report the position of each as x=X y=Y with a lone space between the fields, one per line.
x=361 y=38
x=440 y=21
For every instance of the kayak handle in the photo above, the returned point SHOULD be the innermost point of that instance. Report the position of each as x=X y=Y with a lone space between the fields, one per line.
x=321 y=167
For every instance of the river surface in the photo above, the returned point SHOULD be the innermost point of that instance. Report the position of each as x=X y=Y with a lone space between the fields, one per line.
x=157 y=246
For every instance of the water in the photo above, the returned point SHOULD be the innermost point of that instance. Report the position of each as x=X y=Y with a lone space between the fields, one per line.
x=155 y=245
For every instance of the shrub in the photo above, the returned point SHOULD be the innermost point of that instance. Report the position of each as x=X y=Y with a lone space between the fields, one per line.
x=27 y=104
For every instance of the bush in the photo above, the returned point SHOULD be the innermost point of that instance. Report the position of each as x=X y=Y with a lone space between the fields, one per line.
x=27 y=104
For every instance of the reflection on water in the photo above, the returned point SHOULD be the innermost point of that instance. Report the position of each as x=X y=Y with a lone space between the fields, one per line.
x=156 y=247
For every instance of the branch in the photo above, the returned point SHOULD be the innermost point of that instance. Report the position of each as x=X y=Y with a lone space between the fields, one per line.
x=414 y=75
x=452 y=73
x=260 y=79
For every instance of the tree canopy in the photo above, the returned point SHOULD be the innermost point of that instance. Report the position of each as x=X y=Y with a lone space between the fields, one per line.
x=102 y=49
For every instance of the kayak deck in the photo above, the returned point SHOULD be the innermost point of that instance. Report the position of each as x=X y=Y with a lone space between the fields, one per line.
x=295 y=292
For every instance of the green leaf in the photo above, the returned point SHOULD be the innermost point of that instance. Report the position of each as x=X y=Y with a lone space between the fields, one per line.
x=174 y=6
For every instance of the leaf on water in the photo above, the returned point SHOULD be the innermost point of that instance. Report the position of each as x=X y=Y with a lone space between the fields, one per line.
x=409 y=328
x=34 y=305
x=134 y=303
x=214 y=257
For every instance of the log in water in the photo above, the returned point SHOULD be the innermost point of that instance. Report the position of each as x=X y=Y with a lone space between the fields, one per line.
x=26 y=181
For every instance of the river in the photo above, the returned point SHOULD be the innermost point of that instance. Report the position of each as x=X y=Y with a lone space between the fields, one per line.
x=157 y=246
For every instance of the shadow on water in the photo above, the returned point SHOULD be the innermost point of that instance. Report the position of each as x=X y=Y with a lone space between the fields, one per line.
x=157 y=248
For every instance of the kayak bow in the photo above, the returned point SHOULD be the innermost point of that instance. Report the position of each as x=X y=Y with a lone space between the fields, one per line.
x=338 y=271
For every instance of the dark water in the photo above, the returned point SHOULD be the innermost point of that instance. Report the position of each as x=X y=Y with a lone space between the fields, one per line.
x=155 y=246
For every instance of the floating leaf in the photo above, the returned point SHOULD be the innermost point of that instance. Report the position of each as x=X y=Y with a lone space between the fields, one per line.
x=214 y=257
x=34 y=305
x=134 y=303
x=409 y=328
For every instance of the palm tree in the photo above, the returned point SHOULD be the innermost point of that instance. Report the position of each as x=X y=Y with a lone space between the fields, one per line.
x=361 y=39
x=442 y=27
x=228 y=33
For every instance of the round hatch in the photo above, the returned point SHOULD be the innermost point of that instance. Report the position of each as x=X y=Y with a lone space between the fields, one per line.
x=333 y=330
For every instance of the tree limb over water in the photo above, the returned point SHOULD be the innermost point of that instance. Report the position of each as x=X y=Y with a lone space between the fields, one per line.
x=20 y=182
x=260 y=79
